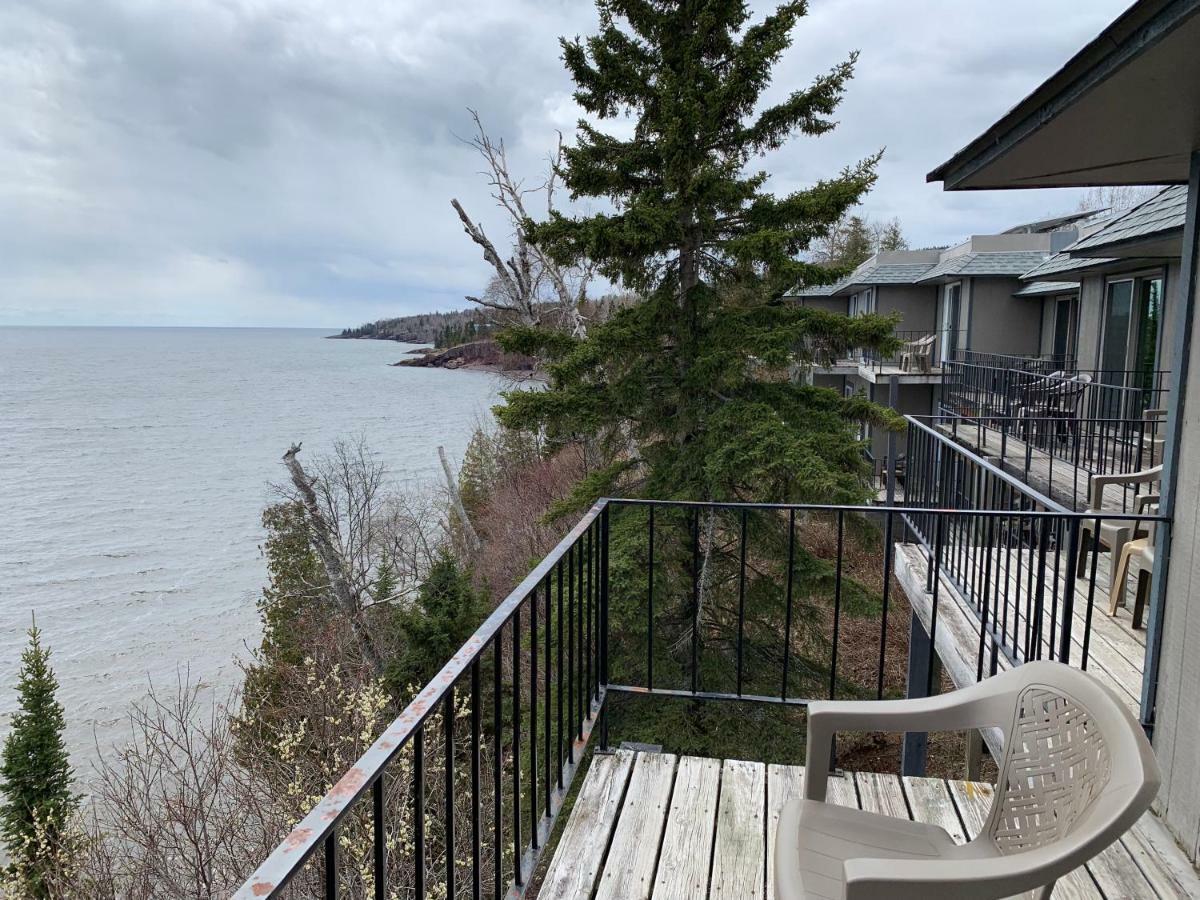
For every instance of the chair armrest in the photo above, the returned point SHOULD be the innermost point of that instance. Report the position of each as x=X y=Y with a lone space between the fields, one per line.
x=1097 y=483
x=976 y=706
x=987 y=878
x=1140 y=503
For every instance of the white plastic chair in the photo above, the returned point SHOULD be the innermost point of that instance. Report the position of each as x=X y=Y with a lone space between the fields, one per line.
x=1077 y=772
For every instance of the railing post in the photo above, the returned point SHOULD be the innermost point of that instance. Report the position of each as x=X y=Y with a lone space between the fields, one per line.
x=1068 y=610
x=602 y=638
x=893 y=400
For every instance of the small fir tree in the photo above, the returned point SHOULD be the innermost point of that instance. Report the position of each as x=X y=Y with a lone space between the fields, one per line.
x=35 y=775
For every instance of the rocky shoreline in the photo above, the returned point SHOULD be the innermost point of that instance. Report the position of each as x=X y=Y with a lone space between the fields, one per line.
x=481 y=356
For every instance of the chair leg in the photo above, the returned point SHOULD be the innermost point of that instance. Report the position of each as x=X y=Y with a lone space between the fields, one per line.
x=1145 y=575
x=1044 y=893
x=1116 y=590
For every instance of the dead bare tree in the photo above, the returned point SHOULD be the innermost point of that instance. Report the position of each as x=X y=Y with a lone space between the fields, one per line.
x=527 y=285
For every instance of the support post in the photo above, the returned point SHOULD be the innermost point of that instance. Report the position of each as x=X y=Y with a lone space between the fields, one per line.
x=1176 y=407
x=912 y=759
x=974 y=754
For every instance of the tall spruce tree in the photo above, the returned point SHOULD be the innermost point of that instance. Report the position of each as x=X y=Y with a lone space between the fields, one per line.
x=698 y=392
x=697 y=389
x=35 y=774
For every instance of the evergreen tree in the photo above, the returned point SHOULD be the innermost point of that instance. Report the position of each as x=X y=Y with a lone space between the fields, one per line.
x=446 y=612
x=35 y=774
x=700 y=376
x=891 y=237
x=857 y=245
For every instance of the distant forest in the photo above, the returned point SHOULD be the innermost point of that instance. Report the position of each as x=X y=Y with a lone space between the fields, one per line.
x=442 y=329
x=449 y=329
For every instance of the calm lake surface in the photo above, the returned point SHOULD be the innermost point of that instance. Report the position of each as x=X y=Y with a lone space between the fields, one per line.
x=135 y=465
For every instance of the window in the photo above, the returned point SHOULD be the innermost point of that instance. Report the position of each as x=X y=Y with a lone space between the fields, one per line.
x=952 y=324
x=1063 y=346
x=1129 y=342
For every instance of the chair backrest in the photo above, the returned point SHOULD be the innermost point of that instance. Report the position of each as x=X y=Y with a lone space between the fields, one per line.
x=1077 y=770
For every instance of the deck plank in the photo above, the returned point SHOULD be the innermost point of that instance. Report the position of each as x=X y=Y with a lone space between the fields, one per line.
x=840 y=789
x=691 y=823
x=1117 y=875
x=739 y=855
x=577 y=861
x=881 y=794
x=727 y=813
x=629 y=871
x=784 y=783
x=930 y=802
x=1161 y=861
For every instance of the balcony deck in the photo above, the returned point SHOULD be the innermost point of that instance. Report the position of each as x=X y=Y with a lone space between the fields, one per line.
x=1116 y=651
x=654 y=826
x=1057 y=478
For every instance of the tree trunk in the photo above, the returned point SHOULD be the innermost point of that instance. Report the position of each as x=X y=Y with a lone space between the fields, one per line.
x=456 y=502
x=331 y=560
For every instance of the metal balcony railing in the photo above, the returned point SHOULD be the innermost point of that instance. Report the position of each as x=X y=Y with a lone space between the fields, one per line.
x=982 y=391
x=768 y=604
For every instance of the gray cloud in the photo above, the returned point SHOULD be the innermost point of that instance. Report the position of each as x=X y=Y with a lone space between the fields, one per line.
x=291 y=161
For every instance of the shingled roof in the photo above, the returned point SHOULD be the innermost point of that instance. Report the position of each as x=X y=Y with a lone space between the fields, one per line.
x=1041 y=288
x=1165 y=211
x=1003 y=262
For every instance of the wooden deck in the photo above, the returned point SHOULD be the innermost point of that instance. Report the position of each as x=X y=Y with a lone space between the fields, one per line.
x=1116 y=650
x=1056 y=478
x=653 y=826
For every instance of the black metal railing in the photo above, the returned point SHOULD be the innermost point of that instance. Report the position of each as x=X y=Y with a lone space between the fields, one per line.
x=533 y=678
x=773 y=605
x=1016 y=557
x=977 y=390
x=1059 y=457
x=920 y=352
x=1039 y=364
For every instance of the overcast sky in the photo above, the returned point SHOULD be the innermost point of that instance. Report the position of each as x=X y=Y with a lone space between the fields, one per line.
x=291 y=162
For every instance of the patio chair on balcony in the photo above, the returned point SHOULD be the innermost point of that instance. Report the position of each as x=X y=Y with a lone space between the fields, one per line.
x=1076 y=773
x=1114 y=533
x=1141 y=551
x=917 y=356
x=1056 y=399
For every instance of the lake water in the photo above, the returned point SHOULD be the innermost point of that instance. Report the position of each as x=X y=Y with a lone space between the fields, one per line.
x=135 y=465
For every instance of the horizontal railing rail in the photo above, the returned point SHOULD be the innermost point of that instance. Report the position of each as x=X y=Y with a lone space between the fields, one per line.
x=771 y=604
x=1042 y=364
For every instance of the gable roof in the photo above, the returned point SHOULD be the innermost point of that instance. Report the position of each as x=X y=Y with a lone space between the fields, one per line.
x=1012 y=263
x=1060 y=264
x=1165 y=211
x=813 y=290
x=1041 y=288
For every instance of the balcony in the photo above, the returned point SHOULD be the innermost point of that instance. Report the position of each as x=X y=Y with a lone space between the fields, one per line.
x=704 y=630
x=916 y=361
x=1055 y=431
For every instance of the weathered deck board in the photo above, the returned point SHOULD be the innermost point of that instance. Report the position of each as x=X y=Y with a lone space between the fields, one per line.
x=1116 y=652
x=930 y=802
x=629 y=870
x=579 y=858
x=784 y=783
x=739 y=855
x=703 y=829
x=691 y=823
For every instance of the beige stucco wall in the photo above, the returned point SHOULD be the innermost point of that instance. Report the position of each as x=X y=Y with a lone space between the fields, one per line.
x=1000 y=322
x=916 y=304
